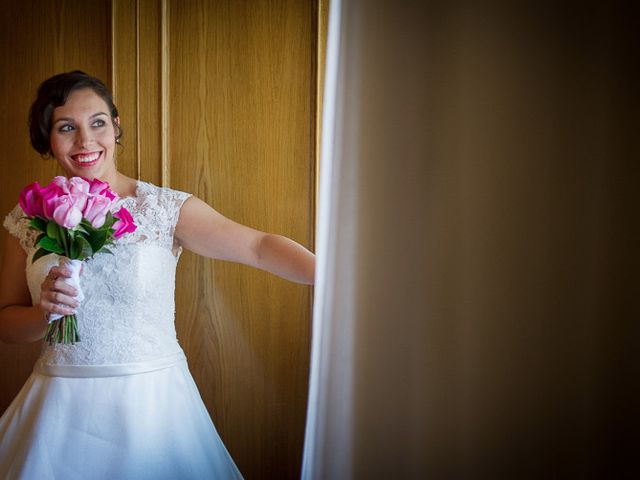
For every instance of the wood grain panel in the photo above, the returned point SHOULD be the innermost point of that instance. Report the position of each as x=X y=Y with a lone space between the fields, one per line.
x=321 y=62
x=124 y=60
x=150 y=89
x=242 y=96
x=38 y=39
x=137 y=79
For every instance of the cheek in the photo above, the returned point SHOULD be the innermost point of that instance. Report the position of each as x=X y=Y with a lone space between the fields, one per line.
x=107 y=138
x=57 y=144
x=60 y=148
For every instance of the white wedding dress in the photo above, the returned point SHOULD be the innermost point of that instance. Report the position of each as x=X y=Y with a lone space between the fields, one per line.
x=121 y=403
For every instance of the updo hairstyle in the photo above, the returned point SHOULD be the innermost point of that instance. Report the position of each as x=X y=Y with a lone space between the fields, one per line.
x=53 y=93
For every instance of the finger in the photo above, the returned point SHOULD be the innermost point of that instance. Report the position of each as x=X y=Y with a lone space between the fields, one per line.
x=64 y=261
x=49 y=307
x=47 y=284
x=57 y=308
x=63 y=287
x=58 y=298
x=56 y=272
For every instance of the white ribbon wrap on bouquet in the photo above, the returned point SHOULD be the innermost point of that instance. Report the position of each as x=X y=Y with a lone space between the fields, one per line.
x=74 y=266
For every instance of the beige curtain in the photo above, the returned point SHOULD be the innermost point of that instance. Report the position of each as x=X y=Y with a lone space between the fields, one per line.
x=477 y=243
x=370 y=298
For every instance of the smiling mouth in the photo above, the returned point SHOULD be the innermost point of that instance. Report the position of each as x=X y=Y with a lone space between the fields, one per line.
x=86 y=159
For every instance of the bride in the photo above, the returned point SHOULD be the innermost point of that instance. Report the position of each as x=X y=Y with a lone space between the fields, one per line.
x=121 y=403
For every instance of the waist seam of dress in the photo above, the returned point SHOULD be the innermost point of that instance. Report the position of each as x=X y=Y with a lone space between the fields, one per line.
x=114 y=370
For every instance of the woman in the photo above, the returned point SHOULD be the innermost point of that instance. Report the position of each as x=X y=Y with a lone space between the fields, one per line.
x=121 y=403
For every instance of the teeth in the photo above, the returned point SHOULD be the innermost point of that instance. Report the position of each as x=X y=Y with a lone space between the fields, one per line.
x=87 y=158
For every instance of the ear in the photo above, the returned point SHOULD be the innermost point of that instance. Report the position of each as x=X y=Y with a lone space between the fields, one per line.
x=118 y=130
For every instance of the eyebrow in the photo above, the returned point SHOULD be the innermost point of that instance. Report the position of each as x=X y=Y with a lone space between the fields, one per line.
x=69 y=119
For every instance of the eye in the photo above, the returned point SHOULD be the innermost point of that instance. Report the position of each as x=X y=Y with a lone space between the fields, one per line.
x=65 y=128
x=99 y=123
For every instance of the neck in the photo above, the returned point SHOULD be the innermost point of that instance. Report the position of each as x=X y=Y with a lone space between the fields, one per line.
x=121 y=184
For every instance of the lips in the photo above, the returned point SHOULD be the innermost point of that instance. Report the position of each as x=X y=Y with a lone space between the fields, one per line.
x=86 y=159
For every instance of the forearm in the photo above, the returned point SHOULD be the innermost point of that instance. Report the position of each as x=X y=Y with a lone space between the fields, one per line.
x=22 y=324
x=286 y=258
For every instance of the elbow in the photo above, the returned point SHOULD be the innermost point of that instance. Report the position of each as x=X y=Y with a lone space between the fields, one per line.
x=7 y=340
x=10 y=338
x=16 y=328
x=7 y=337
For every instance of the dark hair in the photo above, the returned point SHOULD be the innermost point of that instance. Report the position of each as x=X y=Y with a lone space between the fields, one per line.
x=52 y=93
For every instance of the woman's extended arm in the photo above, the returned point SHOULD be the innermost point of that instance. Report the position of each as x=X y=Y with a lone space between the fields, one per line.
x=206 y=232
x=20 y=321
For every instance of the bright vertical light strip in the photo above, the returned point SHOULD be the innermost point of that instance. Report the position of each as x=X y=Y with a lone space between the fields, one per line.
x=164 y=99
x=138 y=118
x=315 y=429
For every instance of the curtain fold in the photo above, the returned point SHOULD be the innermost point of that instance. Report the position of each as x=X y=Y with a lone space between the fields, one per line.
x=475 y=312
x=365 y=174
x=330 y=383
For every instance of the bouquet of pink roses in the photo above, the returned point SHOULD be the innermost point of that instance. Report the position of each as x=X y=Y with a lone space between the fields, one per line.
x=75 y=220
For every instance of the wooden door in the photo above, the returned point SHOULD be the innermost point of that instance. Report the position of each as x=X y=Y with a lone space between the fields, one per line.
x=217 y=98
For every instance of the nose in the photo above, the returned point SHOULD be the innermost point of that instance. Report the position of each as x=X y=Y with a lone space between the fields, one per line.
x=84 y=137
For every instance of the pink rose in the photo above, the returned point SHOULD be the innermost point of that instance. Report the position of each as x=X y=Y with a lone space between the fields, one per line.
x=62 y=182
x=98 y=186
x=124 y=224
x=95 y=211
x=49 y=196
x=111 y=195
x=67 y=213
x=78 y=185
x=30 y=200
x=80 y=200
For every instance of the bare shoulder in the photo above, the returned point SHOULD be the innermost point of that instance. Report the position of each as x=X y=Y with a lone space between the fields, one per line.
x=205 y=231
x=196 y=216
x=194 y=208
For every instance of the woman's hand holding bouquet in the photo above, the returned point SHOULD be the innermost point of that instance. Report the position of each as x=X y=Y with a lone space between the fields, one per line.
x=75 y=220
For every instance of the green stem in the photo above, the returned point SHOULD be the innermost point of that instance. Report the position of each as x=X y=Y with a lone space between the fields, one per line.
x=64 y=330
x=63 y=235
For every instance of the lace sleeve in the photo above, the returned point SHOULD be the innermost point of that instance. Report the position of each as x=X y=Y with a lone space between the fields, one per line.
x=155 y=211
x=18 y=226
x=175 y=199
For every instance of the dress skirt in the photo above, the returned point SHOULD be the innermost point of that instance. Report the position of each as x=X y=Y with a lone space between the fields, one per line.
x=135 y=421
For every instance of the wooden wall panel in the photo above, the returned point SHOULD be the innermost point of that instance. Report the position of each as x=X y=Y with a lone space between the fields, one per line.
x=138 y=82
x=150 y=101
x=38 y=39
x=242 y=137
x=322 y=30
x=124 y=65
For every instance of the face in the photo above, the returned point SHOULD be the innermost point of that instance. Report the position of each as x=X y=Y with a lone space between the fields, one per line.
x=82 y=136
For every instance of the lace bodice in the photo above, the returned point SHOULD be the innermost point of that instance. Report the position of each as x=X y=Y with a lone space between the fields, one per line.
x=128 y=311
